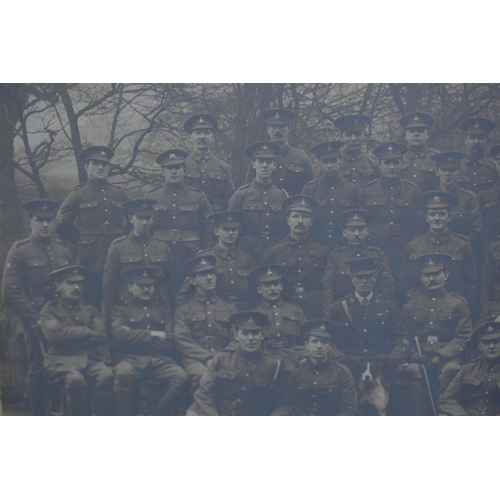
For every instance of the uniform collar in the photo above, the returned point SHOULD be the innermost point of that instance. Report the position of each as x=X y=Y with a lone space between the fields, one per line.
x=454 y=190
x=261 y=186
x=98 y=186
x=174 y=188
x=293 y=242
x=472 y=161
x=446 y=235
x=322 y=367
x=417 y=154
x=268 y=304
x=134 y=239
x=285 y=149
x=199 y=157
x=69 y=304
x=44 y=243
x=212 y=297
x=141 y=304
x=439 y=294
x=352 y=250
x=361 y=298
x=355 y=155
x=249 y=356
x=396 y=182
x=332 y=180
x=232 y=252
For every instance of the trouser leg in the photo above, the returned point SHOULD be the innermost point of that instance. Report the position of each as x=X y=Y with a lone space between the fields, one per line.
x=195 y=371
x=36 y=383
x=101 y=378
x=126 y=383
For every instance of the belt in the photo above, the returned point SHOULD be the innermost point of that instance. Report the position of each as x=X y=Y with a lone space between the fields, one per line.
x=104 y=228
x=177 y=234
x=391 y=228
x=280 y=342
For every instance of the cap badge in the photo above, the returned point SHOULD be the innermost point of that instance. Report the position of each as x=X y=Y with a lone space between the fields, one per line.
x=390 y=148
x=145 y=205
x=476 y=125
x=355 y=216
x=277 y=115
x=201 y=120
x=322 y=326
x=437 y=199
x=415 y=119
x=489 y=329
x=269 y=272
x=229 y=218
x=250 y=320
x=103 y=153
x=45 y=207
x=172 y=156
x=450 y=158
x=355 y=123
x=431 y=262
x=145 y=274
x=329 y=148
x=303 y=202
x=265 y=146
x=203 y=262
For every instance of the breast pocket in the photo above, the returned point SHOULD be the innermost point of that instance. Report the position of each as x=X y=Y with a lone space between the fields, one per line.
x=130 y=258
x=37 y=270
x=252 y=206
x=189 y=215
x=89 y=211
x=315 y=260
x=346 y=204
x=375 y=202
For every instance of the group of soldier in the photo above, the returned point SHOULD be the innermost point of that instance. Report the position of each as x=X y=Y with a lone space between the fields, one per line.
x=271 y=299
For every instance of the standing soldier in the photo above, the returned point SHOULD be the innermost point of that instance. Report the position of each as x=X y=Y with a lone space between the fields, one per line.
x=282 y=332
x=241 y=379
x=489 y=201
x=260 y=201
x=477 y=172
x=304 y=259
x=393 y=203
x=74 y=331
x=319 y=385
x=137 y=249
x=418 y=162
x=202 y=325
x=357 y=165
x=293 y=166
x=181 y=212
x=96 y=207
x=143 y=329
x=332 y=191
x=203 y=170
x=26 y=287
x=337 y=281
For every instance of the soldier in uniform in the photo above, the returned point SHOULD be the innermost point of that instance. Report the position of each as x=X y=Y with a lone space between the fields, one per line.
x=181 y=212
x=489 y=202
x=241 y=379
x=143 y=329
x=490 y=294
x=440 y=320
x=26 y=287
x=202 y=325
x=319 y=385
x=204 y=170
x=357 y=165
x=337 y=281
x=477 y=172
x=293 y=166
x=282 y=333
x=332 y=191
x=137 y=249
x=74 y=332
x=439 y=239
x=418 y=162
x=260 y=201
x=475 y=390
x=495 y=155
x=393 y=203
x=304 y=259
x=92 y=217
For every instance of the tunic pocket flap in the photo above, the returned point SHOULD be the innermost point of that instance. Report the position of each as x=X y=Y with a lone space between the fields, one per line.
x=220 y=176
x=471 y=380
x=188 y=208
x=89 y=204
x=378 y=201
x=252 y=206
x=346 y=203
x=297 y=169
x=226 y=373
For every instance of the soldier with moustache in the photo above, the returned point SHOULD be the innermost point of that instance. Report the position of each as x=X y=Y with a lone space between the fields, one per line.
x=142 y=329
x=92 y=217
x=319 y=386
x=260 y=201
x=357 y=165
x=293 y=166
x=282 y=337
x=26 y=287
x=74 y=332
x=241 y=379
x=304 y=258
x=205 y=171
x=332 y=191
x=418 y=163
x=337 y=281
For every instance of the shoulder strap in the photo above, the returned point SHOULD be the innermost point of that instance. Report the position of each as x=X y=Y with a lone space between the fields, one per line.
x=347 y=311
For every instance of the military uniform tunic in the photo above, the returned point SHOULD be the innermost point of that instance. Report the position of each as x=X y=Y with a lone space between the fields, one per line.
x=491 y=274
x=327 y=389
x=419 y=168
x=334 y=195
x=359 y=167
x=489 y=202
x=474 y=391
x=293 y=170
x=212 y=176
x=477 y=175
x=239 y=383
x=263 y=221
x=304 y=263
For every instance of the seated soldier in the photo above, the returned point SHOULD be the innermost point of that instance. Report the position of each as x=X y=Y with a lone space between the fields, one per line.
x=202 y=325
x=282 y=333
x=440 y=320
x=142 y=328
x=475 y=390
x=319 y=386
x=74 y=331
x=241 y=379
x=490 y=296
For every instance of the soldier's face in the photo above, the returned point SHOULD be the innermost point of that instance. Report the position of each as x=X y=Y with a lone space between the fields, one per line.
x=355 y=235
x=353 y=140
x=299 y=222
x=438 y=219
x=270 y=290
x=41 y=227
x=141 y=224
x=248 y=340
x=174 y=174
x=474 y=143
x=278 y=133
x=416 y=136
x=447 y=176
x=264 y=167
x=202 y=138
x=490 y=349
x=205 y=280
x=97 y=170
x=330 y=166
x=69 y=290
x=227 y=235
x=390 y=167
x=318 y=347
x=435 y=280
x=141 y=291
x=364 y=283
